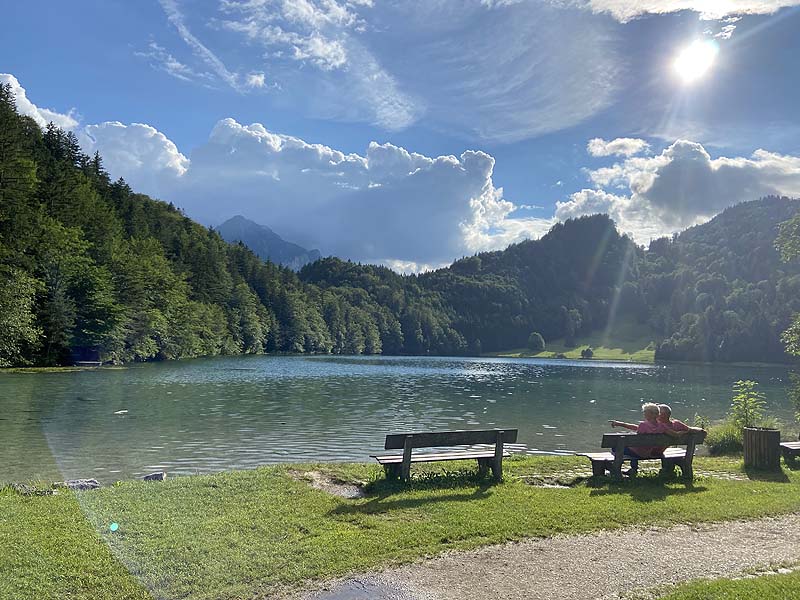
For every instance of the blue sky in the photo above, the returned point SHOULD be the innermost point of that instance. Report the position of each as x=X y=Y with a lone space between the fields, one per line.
x=412 y=133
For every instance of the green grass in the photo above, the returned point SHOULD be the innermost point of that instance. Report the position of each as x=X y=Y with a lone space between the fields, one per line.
x=627 y=341
x=778 y=586
x=241 y=534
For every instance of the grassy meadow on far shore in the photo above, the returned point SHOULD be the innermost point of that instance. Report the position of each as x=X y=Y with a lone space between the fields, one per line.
x=627 y=340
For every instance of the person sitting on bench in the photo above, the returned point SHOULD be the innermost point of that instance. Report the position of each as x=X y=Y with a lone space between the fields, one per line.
x=665 y=416
x=650 y=424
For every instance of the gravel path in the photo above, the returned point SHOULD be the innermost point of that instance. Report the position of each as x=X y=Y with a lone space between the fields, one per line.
x=609 y=564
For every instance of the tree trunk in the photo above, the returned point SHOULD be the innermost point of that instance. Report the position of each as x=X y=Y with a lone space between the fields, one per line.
x=762 y=448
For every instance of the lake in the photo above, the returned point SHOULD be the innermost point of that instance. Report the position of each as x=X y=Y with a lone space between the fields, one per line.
x=207 y=415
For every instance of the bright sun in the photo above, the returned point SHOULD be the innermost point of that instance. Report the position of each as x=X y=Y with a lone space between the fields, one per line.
x=695 y=60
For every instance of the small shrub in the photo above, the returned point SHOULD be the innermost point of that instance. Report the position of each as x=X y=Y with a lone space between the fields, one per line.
x=701 y=421
x=536 y=342
x=747 y=408
x=587 y=353
x=794 y=395
x=724 y=438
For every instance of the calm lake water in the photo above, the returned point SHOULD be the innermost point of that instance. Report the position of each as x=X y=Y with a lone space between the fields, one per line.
x=209 y=415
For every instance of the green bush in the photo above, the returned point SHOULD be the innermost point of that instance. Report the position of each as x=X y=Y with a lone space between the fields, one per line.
x=536 y=342
x=724 y=438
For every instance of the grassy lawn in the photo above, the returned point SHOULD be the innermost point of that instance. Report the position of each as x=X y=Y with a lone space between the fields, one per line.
x=779 y=586
x=250 y=533
x=627 y=341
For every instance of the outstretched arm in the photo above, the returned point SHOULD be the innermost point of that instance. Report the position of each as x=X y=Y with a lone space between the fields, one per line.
x=630 y=426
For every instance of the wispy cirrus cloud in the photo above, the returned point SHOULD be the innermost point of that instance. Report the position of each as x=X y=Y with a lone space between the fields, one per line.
x=626 y=10
x=205 y=54
x=162 y=60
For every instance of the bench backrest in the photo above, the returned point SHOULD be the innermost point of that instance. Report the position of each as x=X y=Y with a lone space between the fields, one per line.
x=434 y=439
x=611 y=440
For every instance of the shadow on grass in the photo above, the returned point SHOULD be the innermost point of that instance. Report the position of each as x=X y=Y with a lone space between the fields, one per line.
x=643 y=489
x=792 y=465
x=772 y=476
x=381 y=491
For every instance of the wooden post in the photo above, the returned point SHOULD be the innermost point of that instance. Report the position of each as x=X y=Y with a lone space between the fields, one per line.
x=405 y=470
x=762 y=448
x=497 y=462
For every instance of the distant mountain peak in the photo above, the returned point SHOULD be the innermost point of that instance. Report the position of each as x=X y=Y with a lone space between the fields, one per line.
x=267 y=244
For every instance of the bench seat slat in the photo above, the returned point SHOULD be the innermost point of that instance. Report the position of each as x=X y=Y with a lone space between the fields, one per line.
x=385 y=459
x=668 y=453
x=791 y=445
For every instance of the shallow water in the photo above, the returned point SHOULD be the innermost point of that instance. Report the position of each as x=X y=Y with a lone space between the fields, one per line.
x=206 y=415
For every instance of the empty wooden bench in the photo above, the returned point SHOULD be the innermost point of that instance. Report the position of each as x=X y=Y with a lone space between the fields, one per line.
x=612 y=461
x=399 y=465
x=790 y=450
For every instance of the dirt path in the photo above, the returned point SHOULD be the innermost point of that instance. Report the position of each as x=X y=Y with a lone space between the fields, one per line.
x=610 y=564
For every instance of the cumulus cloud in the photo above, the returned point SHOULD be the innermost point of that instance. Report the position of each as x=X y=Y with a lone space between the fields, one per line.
x=626 y=10
x=139 y=153
x=681 y=187
x=387 y=205
x=618 y=146
x=42 y=116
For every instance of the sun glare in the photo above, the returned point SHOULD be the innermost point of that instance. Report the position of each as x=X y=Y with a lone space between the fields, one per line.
x=695 y=60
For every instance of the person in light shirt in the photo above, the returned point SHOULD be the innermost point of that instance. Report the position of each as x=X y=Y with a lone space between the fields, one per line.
x=665 y=416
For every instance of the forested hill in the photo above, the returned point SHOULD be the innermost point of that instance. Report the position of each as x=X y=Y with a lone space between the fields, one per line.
x=91 y=270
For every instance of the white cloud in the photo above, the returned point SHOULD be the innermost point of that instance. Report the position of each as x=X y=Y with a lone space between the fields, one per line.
x=681 y=187
x=42 y=116
x=626 y=10
x=176 y=17
x=399 y=63
x=527 y=69
x=162 y=60
x=388 y=205
x=255 y=80
x=618 y=146
x=139 y=153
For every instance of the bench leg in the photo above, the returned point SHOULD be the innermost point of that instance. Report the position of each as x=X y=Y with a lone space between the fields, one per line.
x=687 y=472
x=497 y=469
x=599 y=468
x=483 y=466
x=392 y=471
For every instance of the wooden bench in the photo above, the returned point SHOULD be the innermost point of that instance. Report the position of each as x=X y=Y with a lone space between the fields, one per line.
x=790 y=450
x=399 y=465
x=612 y=461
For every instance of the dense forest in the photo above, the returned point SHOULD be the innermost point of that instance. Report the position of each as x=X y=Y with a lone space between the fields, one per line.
x=91 y=270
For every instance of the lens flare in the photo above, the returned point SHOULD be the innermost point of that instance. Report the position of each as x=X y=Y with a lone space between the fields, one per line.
x=695 y=60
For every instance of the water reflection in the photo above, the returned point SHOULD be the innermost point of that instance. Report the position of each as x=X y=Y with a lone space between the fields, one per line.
x=239 y=412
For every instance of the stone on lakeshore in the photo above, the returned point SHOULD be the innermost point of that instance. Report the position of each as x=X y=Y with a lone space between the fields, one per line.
x=82 y=484
x=159 y=476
